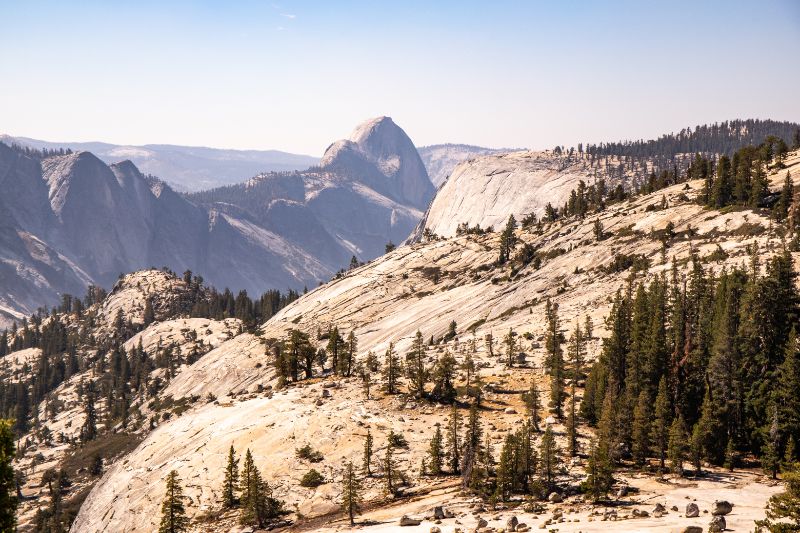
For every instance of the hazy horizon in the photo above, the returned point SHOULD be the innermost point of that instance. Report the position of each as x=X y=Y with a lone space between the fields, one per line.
x=296 y=76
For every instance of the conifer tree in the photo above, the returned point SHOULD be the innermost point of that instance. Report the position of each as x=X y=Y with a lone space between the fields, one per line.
x=259 y=506
x=351 y=493
x=173 y=512
x=391 y=370
x=533 y=404
x=348 y=355
x=89 y=429
x=415 y=366
x=444 y=374
x=676 y=449
x=8 y=491
x=389 y=466
x=454 y=440
x=507 y=240
x=783 y=509
x=548 y=457
x=661 y=424
x=436 y=452
x=572 y=422
x=781 y=209
x=510 y=342
x=506 y=468
x=231 y=482
x=555 y=358
x=600 y=471
x=786 y=392
x=246 y=476
x=367 y=460
x=640 y=432
x=472 y=471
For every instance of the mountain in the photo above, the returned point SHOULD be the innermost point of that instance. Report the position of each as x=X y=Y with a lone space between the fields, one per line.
x=369 y=189
x=71 y=220
x=198 y=384
x=441 y=159
x=187 y=168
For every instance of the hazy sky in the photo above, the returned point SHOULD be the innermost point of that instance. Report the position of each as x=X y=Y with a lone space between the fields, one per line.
x=298 y=75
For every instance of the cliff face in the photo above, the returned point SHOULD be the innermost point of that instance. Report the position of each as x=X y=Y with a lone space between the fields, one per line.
x=487 y=189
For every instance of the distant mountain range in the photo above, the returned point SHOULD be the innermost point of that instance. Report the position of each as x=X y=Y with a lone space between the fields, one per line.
x=185 y=168
x=67 y=221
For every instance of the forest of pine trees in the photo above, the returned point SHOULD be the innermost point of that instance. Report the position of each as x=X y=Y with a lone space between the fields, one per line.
x=717 y=358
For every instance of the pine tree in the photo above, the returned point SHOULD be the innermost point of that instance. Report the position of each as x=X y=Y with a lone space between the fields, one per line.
x=572 y=422
x=661 y=424
x=454 y=440
x=8 y=491
x=781 y=209
x=259 y=506
x=555 y=359
x=415 y=366
x=389 y=466
x=231 y=482
x=173 y=512
x=548 y=457
x=351 y=493
x=510 y=341
x=435 y=452
x=783 y=510
x=246 y=477
x=533 y=404
x=600 y=471
x=473 y=472
x=391 y=370
x=770 y=458
x=506 y=468
x=676 y=448
x=89 y=429
x=367 y=460
x=640 y=432
x=507 y=240
x=444 y=374
x=786 y=396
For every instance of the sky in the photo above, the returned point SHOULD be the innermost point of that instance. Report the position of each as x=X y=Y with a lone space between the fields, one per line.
x=296 y=76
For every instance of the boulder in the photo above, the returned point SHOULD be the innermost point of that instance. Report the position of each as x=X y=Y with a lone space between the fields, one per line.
x=622 y=492
x=692 y=510
x=408 y=521
x=438 y=512
x=659 y=509
x=481 y=523
x=435 y=529
x=512 y=523
x=721 y=507
x=555 y=497
x=689 y=529
x=717 y=524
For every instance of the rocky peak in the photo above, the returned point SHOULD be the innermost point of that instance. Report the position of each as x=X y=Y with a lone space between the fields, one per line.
x=379 y=150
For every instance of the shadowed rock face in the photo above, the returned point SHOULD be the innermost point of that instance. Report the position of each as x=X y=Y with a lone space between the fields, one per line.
x=68 y=221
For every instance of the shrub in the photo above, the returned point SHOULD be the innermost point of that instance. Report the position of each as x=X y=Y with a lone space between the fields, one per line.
x=398 y=440
x=307 y=453
x=312 y=479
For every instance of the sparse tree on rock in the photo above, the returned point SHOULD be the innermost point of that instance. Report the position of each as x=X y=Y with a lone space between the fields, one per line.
x=231 y=480
x=367 y=461
x=8 y=490
x=173 y=512
x=436 y=452
x=391 y=370
x=351 y=493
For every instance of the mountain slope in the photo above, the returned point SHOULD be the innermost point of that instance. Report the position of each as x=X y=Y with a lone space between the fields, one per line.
x=187 y=168
x=423 y=287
